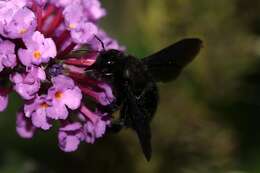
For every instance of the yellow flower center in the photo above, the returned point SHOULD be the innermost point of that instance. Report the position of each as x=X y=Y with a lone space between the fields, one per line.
x=44 y=105
x=37 y=54
x=58 y=95
x=72 y=26
x=23 y=31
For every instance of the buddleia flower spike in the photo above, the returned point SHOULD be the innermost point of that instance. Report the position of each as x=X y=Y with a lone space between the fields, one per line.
x=37 y=41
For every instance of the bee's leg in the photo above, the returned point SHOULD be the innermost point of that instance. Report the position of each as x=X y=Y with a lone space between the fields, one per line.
x=110 y=108
x=119 y=124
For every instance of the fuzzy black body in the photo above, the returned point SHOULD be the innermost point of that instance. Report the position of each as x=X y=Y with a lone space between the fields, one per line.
x=134 y=86
x=138 y=94
x=135 y=91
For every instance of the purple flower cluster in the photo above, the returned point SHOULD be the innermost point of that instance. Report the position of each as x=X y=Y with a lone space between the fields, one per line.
x=36 y=41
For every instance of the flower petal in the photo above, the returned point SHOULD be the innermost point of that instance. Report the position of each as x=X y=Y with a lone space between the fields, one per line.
x=68 y=143
x=72 y=98
x=39 y=119
x=3 y=102
x=25 y=56
x=57 y=111
x=24 y=127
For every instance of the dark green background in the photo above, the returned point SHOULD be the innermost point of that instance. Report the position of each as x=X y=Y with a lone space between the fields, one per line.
x=208 y=119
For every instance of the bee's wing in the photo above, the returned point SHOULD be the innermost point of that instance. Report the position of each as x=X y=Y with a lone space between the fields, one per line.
x=167 y=64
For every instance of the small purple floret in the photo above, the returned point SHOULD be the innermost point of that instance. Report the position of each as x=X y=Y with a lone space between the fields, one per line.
x=29 y=83
x=93 y=9
x=7 y=54
x=70 y=137
x=84 y=32
x=24 y=126
x=63 y=94
x=95 y=126
x=94 y=130
x=37 y=111
x=39 y=50
x=3 y=101
x=22 y=24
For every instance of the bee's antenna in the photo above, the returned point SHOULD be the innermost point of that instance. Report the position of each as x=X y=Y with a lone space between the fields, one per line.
x=103 y=46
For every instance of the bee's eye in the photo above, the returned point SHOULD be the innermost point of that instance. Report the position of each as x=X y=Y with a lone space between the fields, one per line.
x=110 y=62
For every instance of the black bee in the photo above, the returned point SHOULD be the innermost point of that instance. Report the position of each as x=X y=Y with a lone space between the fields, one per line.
x=134 y=80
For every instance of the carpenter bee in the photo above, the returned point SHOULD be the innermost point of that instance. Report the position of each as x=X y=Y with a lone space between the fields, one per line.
x=133 y=82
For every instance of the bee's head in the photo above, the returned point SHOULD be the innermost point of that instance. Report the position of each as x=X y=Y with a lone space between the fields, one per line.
x=107 y=65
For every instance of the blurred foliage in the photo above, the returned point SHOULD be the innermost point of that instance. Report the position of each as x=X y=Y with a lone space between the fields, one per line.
x=207 y=120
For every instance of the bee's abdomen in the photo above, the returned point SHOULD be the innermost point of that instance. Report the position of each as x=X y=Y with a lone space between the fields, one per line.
x=148 y=100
